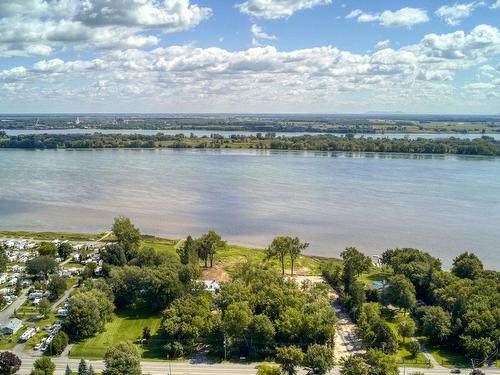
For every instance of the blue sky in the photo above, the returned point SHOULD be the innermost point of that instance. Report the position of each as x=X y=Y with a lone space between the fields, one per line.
x=249 y=56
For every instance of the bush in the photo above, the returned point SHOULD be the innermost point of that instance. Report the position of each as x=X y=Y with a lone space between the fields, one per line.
x=413 y=348
x=59 y=343
x=269 y=370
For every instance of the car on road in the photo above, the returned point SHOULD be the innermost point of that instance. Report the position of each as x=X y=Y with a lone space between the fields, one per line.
x=456 y=371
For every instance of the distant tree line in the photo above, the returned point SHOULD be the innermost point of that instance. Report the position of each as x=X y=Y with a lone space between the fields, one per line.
x=485 y=145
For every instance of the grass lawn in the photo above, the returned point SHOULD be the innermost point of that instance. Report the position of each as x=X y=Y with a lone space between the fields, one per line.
x=375 y=274
x=127 y=325
x=445 y=356
x=234 y=254
x=403 y=356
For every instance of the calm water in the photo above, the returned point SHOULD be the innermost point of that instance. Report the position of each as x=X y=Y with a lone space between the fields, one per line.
x=225 y=133
x=373 y=201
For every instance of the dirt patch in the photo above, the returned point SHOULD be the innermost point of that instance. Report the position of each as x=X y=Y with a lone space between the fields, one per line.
x=217 y=273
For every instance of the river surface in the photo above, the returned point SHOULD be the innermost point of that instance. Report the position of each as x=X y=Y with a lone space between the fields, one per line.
x=443 y=204
x=227 y=133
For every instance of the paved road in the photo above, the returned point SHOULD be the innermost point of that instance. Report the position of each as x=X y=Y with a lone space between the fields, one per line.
x=63 y=298
x=7 y=313
x=185 y=368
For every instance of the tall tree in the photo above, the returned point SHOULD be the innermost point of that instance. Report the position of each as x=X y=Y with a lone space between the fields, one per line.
x=127 y=235
x=41 y=266
x=296 y=248
x=64 y=250
x=401 y=292
x=82 y=367
x=47 y=249
x=289 y=358
x=380 y=363
x=44 y=365
x=208 y=245
x=319 y=359
x=68 y=371
x=283 y=246
x=9 y=363
x=467 y=265
x=188 y=251
x=123 y=358
x=353 y=366
x=435 y=323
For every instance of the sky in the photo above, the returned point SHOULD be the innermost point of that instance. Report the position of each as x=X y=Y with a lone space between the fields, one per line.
x=250 y=56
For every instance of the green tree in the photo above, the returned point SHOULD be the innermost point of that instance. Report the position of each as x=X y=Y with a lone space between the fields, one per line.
x=68 y=371
x=123 y=358
x=266 y=369
x=208 y=245
x=319 y=359
x=82 y=368
x=401 y=292
x=64 y=250
x=380 y=363
x=188 y=251
x=355 y=263
x=237 y=319
x=88 y=312
x=91 y=370
x=57 y=286
x=41 y=266
x=4 y=260
x=279 y=249
x=47 y=249
x=261 y=332
x=467 y=265
x=406 y=326
x=435 y=323
x=413 y=348
x=44 y=307
x=289 y=358
x=296 y=248
x=44 y=366
x=353 y=366
x=59 y=343
x=127 y=235
x=9 y=363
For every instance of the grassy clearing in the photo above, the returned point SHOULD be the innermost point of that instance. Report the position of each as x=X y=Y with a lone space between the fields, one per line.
x=46 y=236
x=403 y=357
x=234 y=254
x=127 y=325
x=445 y=356
x=375 y=274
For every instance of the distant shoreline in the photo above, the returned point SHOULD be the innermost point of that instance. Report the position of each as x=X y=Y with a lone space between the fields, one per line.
x=484 y=146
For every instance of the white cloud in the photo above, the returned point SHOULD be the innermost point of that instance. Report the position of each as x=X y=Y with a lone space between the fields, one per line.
x=258 y=33
x=354 y=14
x=41 y=27
x=383 y=44
x=405 y=17
x=454 y=14
x=187 y=78
x=495 y=5
x=274 y=9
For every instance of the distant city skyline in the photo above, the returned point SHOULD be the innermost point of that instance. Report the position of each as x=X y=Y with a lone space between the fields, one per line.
x=253 y=56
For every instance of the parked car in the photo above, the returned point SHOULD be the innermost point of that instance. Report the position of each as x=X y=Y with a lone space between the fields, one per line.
x=456 y=371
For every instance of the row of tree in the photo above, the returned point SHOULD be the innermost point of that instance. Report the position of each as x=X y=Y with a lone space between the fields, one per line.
x=480 y=146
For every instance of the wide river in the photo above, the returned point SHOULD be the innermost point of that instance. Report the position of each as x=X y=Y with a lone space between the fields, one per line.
x=443 y=204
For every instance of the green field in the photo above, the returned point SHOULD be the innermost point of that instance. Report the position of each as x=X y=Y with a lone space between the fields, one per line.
x=48 y=236
x=375 y=274
x=127 y=325
x=444 y=356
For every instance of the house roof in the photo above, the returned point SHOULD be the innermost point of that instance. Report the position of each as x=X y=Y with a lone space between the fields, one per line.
x=13 y=324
